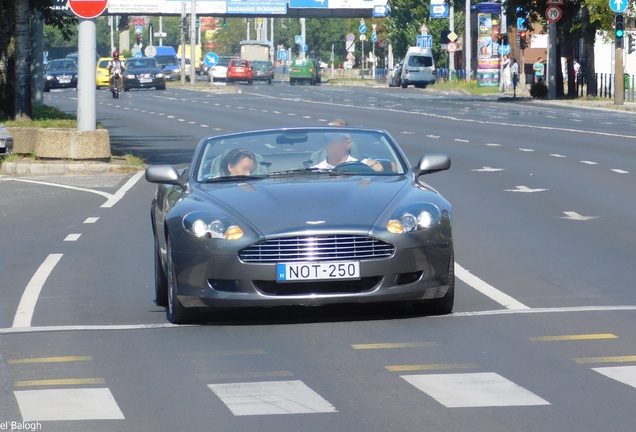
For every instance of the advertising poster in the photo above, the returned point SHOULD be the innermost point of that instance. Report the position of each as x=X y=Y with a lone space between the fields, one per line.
x=488 y=28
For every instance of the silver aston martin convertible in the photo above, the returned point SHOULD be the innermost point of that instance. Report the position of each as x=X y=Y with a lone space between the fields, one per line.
x=301 y=216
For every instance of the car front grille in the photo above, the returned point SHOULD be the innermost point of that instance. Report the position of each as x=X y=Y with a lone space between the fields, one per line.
x=316 y=248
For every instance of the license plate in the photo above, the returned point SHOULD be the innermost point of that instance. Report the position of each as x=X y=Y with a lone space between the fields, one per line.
x=239 y=70
x=64 y=80
x=318 y=271
x=145 y=80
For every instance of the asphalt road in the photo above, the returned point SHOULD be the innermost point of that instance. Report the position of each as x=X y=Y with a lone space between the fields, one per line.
x=541 y=338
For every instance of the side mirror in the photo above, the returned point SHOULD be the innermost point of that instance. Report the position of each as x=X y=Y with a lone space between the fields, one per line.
x=163 y=174
x=432 y=163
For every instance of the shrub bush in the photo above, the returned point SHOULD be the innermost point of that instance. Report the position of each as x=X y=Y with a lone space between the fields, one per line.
x=539 y=90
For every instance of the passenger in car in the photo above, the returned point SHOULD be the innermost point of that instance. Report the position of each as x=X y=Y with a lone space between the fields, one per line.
x=238 y=162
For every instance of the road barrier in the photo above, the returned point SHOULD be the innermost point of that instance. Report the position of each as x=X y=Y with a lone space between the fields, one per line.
x=605 y=86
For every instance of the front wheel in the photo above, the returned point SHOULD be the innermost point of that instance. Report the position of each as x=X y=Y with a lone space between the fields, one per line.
x=404 y=85
x=443 y=305
x=161 y=281
x=176 y=312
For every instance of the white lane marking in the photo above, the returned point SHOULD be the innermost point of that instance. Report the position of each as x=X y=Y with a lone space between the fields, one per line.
x=72 y=237
x=68 y=404
x=271 y=397
x=495 y=312
x=170 y=116
x=488 y=169
x=306 y=117
x=524 y=189
x=26 y=307
x=486 y=289
x=623 y=374
x=575 y=216
x=577 y=120
x=91 y=220
x=588 y=162
x=323 y=120
x=407 y=133
x=204 y=126
x=461 y=140
x=493 y=145
x=181 y=120
x=526 y=149
x=114 y=199
x=433 y=136
x=556 y=155
x=486 y=389
x=104 y=194
x=456 y=119
x=620 y=171
x=276 y=112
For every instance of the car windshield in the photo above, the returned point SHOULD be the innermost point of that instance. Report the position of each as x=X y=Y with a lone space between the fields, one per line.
x=65 y=65
x=318 y=152
x=141 y=63
x=420 y=61
x=166 y=60
x=239 y=63
x=262 y=65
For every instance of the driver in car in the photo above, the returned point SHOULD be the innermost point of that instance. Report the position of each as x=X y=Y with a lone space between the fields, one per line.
x=337 y=146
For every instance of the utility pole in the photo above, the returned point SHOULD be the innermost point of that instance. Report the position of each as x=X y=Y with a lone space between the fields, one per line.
x=468 y=43
x=183 y=42
x=302 y=54
x=552 y=60
x=193 y=41
x=451 y=27
x=619 y=70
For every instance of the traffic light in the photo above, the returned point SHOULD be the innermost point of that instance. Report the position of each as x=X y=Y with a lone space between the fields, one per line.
x=619 y=26
x=504 y=40
x=224 y=23
x=523 y=44
x=138 y=39
x=631 y=43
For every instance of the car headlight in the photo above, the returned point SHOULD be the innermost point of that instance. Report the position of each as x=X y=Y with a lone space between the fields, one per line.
x=130 y=76
x=50 y=77
x=206 y=225
x=413 y=218
x=159 y=75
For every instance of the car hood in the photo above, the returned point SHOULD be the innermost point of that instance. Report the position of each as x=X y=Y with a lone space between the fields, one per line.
x=274 y=207
x=61 y=72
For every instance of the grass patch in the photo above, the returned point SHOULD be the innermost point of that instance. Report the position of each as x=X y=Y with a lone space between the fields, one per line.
x=470 y=87
x=128 y=163
x=44 y=117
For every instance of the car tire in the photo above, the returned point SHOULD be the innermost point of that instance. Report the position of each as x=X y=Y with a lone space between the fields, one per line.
x=176 y=312
x=47 y=89
x=161 y=281
x=292 y=82
x=269 y=81
x=250 y=82
x=161 y=87
x=443 y=305
x=404 y=85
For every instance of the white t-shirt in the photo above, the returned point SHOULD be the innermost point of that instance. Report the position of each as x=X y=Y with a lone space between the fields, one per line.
x=326 y=165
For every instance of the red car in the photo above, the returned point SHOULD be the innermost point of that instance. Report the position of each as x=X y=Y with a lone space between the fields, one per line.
x=239 y=70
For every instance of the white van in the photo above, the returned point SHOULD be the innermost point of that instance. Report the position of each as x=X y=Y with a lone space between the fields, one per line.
x=418 y=68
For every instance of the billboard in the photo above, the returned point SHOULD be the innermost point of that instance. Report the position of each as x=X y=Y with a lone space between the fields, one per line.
x=488 y=27
x=168 y=7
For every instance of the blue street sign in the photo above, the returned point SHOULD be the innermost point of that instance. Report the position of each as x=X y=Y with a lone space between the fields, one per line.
x=618 y=6
x=522 y=24
x=308 y=4
x=505 y=49
x=374 y=37
x=211 y=59
x=303 y=47
x=380 y=11
x=424 y=41
x=139 y=29
x=298 y=39
x=362 y=29
x=439 y=11
x=282 y=55
x=138 y=54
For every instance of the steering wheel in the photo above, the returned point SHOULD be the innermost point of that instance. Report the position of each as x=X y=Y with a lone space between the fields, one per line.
x=355 y=166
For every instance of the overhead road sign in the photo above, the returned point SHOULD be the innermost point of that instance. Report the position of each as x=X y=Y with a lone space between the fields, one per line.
x=309 y=4
x=380 y=11
x=618 y=6
x=256 y=7
x=88 y=9
x=165 y=7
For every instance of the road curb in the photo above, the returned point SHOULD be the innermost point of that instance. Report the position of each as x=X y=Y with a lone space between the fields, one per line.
x=24 y=168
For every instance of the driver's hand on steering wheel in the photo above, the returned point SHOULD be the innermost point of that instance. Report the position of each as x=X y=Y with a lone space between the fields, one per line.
x=374 y=164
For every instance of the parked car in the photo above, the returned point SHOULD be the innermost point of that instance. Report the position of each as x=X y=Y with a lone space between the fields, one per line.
x=395 y=75
x=218 y=72
x=365 y=230
x=143 y=72
x=61 y=73
x=239 y=70
x=304 y=70
x=263 y=70
x=6 y=141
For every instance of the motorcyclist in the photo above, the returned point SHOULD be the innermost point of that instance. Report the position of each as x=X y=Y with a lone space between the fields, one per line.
x=116 y=67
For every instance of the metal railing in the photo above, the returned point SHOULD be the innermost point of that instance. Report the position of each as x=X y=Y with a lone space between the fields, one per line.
x=605 y=86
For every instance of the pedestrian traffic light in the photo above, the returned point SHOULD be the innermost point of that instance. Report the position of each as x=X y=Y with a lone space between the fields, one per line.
x=224 y=23
x=619 y=26
x=523 y=44
x=138 y=39
x=631 y=43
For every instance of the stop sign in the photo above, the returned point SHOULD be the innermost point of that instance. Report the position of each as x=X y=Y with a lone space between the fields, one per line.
x=88 y=9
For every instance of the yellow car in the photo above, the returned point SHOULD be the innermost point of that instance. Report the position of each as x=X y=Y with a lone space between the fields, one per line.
x=101 y=73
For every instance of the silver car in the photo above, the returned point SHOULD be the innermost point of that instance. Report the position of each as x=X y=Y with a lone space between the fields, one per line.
x=218 y=72
x=301 y=216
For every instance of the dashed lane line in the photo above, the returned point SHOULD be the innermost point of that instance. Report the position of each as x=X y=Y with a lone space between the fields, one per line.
x=488 y=290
